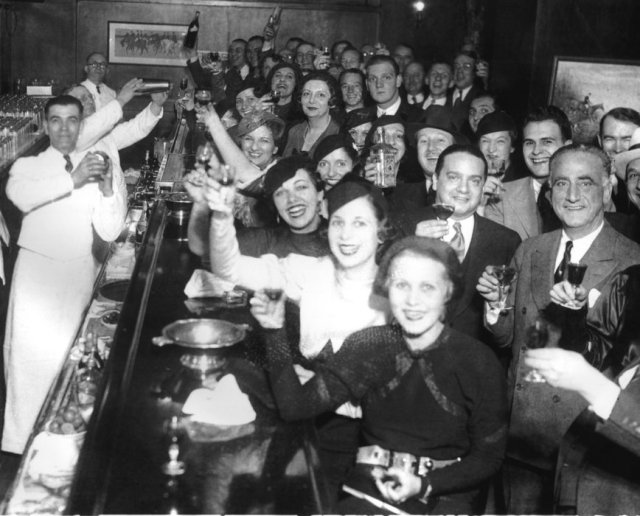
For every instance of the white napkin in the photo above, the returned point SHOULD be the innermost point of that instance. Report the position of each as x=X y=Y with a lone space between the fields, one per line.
x=226 y=405
x=206 y=284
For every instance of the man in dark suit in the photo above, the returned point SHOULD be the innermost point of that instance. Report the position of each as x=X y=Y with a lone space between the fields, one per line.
x=413 y=80
x=223 y=84
x=383 y=82
x=460 y=175
x=429 y=137
x=465 y=90
x=541 y=413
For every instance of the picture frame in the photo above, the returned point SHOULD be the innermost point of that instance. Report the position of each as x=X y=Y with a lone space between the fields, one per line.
x=585 y=89
x=152 y=44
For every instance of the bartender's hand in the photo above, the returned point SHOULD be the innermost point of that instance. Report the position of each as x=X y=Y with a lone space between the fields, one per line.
x=565 y=294
x=91 y=168
x=396 y=485
x=270 y=314
x=128 y=91
x=432 y=228
x=105 y=183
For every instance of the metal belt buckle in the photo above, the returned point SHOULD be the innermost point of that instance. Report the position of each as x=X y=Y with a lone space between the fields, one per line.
x=373 y=455
x=425 y=465
x=404 y=461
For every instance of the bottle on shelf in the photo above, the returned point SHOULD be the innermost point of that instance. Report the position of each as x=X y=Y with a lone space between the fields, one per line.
x=191 y=37
x=88 y=379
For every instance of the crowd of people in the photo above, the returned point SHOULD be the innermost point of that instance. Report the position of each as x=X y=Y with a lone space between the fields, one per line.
x=391 y=325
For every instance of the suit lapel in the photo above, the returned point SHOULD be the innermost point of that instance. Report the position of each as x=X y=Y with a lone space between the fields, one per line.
x=542 y=267
x=600 y=258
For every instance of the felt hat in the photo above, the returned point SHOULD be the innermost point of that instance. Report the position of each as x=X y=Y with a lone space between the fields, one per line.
x=352 y=187
x=624 y=158
x=252 y=122
x=435 y=117
x=284 y=170
x=494 y=122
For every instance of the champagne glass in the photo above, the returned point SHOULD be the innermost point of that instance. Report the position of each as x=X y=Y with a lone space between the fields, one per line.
x=443 y=211
x=505 y=276
x=203 y=154
x=537 y=337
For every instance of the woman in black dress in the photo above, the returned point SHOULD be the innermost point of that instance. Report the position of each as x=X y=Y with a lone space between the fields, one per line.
x=433 y=400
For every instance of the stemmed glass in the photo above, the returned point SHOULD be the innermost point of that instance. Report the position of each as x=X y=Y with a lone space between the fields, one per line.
x=443 y=211
x=204 y=153
x=202 y=98
x=496 y=169
x=505 y=276
x=536 y=338
x=575 y=273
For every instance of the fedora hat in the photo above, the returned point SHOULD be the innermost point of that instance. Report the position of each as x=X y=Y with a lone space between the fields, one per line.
x=435 y=117
x=624 y=158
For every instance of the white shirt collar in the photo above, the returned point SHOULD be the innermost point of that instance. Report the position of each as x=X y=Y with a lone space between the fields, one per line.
x=537 y=186
x=462 y=94
x=580 y=245
x=419 y=97
x=391 y=110
x=430 y=101
x=244 y=71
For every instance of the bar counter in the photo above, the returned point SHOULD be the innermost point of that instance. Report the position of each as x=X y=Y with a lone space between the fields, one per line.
x=263 y=467
x=140 y=453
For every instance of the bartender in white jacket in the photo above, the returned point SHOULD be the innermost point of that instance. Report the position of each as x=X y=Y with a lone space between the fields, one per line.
x=64 y=195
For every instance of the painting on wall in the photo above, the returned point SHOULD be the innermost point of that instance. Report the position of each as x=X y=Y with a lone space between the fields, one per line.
x=585 y=89
x=146 y=44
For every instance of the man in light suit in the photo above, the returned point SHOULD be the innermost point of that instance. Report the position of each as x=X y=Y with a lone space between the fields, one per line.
x=459 y=179
x=519 y=207
x=541 y=413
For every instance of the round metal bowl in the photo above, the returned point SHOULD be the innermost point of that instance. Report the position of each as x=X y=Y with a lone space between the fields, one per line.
x=202 y=334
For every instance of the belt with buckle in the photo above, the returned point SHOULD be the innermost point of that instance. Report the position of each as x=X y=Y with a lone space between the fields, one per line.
x=375 y=455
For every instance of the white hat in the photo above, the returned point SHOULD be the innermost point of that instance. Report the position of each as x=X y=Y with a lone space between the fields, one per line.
x=624 y=158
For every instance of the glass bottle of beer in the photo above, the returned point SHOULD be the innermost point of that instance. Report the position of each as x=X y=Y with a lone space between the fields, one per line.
x=191 y=37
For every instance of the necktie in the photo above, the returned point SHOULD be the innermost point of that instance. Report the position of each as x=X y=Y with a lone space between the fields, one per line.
x=68 y=166
x=458 y=100
x=414 y=99
x=558 y=276
x=549 y=221
x=457 y=242
x=98 y=89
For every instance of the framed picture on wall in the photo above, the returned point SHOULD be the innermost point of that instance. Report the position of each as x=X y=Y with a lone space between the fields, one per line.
x=146 y=44
x=585 y=89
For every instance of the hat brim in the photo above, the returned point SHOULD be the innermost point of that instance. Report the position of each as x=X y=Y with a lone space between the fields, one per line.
x=622 y=160
x=414 y=128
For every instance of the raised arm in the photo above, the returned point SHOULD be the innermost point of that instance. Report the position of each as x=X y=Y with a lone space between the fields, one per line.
x=230 y=152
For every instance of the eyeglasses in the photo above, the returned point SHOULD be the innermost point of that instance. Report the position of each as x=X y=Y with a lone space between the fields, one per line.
x=98 y=65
